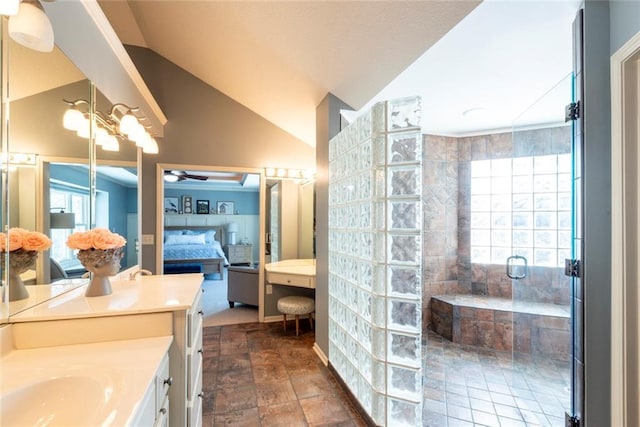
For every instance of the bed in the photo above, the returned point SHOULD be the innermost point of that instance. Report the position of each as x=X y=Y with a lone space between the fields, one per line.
x=188 y=249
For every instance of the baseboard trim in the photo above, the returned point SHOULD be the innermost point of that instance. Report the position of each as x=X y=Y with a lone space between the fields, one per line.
x=320 y=354
x=271 y=319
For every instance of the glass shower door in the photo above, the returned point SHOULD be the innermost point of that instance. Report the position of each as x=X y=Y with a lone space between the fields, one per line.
x=542 y=239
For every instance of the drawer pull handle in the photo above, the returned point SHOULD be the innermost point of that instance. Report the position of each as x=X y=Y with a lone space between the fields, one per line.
x=168 y=381
x=163 y=411
x=288 y=280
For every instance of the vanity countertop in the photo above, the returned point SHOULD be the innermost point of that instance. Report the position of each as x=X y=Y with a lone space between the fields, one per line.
x=40 y=293
x=301 y=267
x=145 y=294
x=106 y=380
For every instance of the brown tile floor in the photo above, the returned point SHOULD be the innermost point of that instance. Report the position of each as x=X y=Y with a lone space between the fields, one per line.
x=257 y=375
x=470 y=386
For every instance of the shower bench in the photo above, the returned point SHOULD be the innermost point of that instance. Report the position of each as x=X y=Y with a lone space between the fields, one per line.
x=502 y=324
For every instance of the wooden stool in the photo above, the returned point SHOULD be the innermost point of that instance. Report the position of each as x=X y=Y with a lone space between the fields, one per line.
x=296 y=306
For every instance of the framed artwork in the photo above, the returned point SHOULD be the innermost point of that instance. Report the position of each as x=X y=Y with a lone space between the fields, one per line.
x=202 y=206
x=187 y=204
x=225 y=208
x=171 y=205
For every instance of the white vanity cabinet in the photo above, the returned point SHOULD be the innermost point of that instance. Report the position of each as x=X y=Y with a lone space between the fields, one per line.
x=150 y=306
x=154 y=410
x=185 y=396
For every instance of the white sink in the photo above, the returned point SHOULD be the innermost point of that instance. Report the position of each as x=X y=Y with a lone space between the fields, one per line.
x=61 y=401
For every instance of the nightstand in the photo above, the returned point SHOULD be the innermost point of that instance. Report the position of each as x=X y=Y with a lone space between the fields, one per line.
x=239 y=254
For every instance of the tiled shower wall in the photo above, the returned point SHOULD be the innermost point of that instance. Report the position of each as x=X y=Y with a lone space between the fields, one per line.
x=447 y=267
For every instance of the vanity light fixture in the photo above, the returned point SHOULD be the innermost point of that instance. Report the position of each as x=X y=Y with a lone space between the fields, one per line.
x=62 y=219
x=9 y=7
x=30 y=26
x=18 y=159
x=120 y=123
x=283 y=173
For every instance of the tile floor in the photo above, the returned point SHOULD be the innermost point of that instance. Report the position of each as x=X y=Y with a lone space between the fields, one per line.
x=468 y=386
x=257 y=375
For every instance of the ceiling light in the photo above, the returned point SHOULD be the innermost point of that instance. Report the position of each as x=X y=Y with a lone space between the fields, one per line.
x=9 y=7
x=169 y=177
x=31 y=27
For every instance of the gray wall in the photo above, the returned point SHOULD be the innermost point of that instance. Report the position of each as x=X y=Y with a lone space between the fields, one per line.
x=206 y=128
x=625 y=22
x=327 y=126
x=608 y=25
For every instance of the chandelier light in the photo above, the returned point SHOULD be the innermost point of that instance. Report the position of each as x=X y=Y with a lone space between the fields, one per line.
x=121 y=123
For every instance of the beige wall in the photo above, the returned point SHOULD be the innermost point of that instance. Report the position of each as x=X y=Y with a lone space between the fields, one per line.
x=206 y=128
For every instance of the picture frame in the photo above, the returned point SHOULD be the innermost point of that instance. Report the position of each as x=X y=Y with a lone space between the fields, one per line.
x=202 y=206
x=171 y=205
x=225 y=208
x=187 y=204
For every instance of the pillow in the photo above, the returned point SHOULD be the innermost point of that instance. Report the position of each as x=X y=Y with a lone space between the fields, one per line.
x=185 y=239
x=209 y=235
x=168 y=233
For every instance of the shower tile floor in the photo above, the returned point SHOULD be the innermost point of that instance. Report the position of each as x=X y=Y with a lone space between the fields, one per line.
x=471 y=386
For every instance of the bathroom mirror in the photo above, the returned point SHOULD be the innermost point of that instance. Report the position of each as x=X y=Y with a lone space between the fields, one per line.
x=58 y=178
x=290 y=221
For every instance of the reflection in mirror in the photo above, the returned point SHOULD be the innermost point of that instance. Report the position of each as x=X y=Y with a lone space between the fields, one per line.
x=115 y=199
x=60 y=175
x=35 y=129
x=290 y=219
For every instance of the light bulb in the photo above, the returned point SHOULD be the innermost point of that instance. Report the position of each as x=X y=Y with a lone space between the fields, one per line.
x=72 y=119
x=31 y=28
x=151 y=147
x=128 y=123
x=9 y=7
x=136 y=134
x=83 y=130
x=111 y=143
x=101 y=136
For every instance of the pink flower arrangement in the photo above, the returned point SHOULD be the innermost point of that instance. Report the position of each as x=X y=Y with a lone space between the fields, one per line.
x=96 y=238
x=26 y=240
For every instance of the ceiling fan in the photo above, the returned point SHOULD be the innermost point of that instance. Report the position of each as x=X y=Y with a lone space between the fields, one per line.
x=174 y=176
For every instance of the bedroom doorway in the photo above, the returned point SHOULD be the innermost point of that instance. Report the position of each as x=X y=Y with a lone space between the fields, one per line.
x=211 y=220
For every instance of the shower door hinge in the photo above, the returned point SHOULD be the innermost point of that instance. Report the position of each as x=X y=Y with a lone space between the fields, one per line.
x=572 y=111
x=571 y=420
x=572 y=267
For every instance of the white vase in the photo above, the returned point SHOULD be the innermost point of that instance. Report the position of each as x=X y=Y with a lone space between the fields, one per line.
x=102 y=263
x=19 y=262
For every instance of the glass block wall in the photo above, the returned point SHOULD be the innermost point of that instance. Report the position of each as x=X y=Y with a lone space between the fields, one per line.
x=375 y=260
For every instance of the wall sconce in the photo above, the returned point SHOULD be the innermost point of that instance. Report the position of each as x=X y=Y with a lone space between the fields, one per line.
x=120 y=123
x=62 y=219
x=29 y=25
x=232 y=229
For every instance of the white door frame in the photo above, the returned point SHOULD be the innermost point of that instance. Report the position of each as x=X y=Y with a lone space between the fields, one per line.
x=625 y=237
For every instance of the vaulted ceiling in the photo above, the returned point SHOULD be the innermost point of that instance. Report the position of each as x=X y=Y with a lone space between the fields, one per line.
x=281 y=58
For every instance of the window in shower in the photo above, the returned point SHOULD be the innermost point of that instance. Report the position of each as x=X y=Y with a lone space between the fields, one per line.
x=521 y=206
